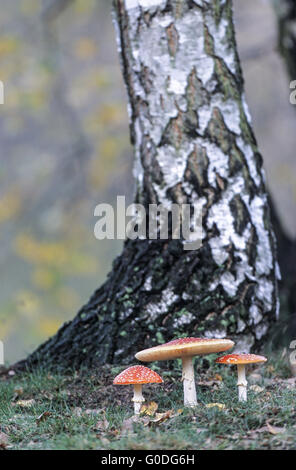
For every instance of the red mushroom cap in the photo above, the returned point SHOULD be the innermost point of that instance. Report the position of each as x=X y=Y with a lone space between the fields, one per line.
x=240 y=359
x=184 y=347
x=137 y=375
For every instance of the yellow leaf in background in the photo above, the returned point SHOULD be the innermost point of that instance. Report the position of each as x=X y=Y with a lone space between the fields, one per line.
x=29 y=6
x=67 y=298
x=99 y=78
x=10 y=205
x=85 y=48
x=48 y=326
x=84 y=6
x=107 y=115
x=31 y=250
x=8 y=45
x=106 y=160
x=6 y=72
x=27 y=302
x=43 y=278
x=7 y=324
x=34 y=99
x=149 y=409
x=59 y=255
x=82 y=263
x=220 y=406
x=109 y=148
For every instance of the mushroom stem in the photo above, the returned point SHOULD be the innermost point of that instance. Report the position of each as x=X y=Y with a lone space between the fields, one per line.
x=242 y=382
x=188 y=382
x=138 y=398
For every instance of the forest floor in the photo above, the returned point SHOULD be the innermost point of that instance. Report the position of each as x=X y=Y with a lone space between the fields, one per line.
x=42 y=410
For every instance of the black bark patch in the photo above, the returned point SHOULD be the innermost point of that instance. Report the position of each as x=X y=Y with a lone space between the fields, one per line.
x=240 y=214
x=218 y=133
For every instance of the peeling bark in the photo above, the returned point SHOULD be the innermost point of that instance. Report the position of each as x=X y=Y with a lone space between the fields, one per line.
x=193 y=141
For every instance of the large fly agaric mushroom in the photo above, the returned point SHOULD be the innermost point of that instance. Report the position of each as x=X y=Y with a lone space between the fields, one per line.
x=137 y=376
x=241 y=360
x=185 y=349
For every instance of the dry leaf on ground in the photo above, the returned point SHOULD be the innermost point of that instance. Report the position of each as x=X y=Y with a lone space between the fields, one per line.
x=161 y=417
x=274 y=429
x=256 y=388
x=26 y=403
x=149 y=409
x=220 y=406
x=43 y=417
x=3 y=440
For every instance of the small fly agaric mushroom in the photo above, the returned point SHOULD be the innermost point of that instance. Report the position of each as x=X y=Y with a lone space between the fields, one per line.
x=186 y=349
x=241 y=360
x=137 y=376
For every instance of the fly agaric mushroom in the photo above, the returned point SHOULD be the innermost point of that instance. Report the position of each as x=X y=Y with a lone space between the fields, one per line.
x=241 y=360
x=186 y=349
x=137 y=376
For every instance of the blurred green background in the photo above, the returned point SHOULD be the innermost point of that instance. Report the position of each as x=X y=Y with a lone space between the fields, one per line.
x=65 y=148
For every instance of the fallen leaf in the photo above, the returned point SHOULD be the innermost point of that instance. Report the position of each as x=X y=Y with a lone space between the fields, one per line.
x=3 y=440
x=256 y=388
x=265 y=429
x=18 y=391
x=149 y=409
x=114 y=432
x=161 y=417
x=26 y=403
x=252 y=433
x=218 y=377
x=221 y=406
x=43 y=417
x=273 y=429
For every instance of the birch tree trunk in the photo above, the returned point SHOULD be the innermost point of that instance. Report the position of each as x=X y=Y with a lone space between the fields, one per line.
x=193 y=141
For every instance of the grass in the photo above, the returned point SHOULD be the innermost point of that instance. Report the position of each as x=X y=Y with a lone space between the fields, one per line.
x=41 y=410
